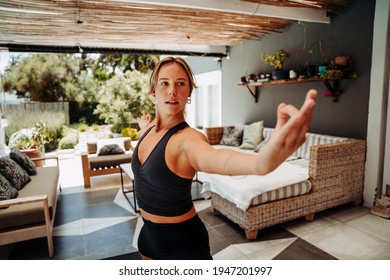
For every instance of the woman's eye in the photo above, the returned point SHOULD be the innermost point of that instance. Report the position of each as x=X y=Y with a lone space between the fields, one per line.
x=180 y=83
x=164 y=83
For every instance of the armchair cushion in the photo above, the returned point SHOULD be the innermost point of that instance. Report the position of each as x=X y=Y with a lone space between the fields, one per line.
x=44 y=183
x=15 y=174
x=97 y=162
x=110 y=149
x=24 y=161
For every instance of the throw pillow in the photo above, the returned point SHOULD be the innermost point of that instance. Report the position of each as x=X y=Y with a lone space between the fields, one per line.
x=261 y=145
x=15 y=174
x=110 y=149
x=7 y=191
x=24 y=161
x=253 y=135
x=231 y=136
x=103 y=142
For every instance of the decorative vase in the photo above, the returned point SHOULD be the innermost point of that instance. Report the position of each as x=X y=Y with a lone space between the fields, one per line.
x=34 y=153
x=293 y=74
x=280 y=74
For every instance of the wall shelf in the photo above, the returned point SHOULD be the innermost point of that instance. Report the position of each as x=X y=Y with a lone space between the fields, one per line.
x=333 y=89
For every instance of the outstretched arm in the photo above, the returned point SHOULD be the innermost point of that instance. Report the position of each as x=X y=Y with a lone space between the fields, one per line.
x=290 y=133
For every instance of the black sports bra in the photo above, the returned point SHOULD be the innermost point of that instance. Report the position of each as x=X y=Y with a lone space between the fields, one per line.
x=158 y=190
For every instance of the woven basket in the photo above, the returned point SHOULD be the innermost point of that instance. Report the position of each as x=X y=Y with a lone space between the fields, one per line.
x=214 y=134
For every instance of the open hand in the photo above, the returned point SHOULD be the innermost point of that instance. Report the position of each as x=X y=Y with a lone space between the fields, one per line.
x=144 y=120
x=290 y=131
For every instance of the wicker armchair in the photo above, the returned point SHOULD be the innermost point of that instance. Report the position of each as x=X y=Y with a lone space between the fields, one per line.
x=336 y=173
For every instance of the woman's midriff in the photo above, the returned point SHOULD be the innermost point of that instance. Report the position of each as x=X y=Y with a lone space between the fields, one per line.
x=168 y=220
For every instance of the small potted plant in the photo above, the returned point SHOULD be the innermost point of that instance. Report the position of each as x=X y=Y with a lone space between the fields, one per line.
x=32 y=143
x=277 y=60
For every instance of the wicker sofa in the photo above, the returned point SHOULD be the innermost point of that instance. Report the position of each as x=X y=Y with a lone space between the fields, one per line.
x=95 y=165
x=336 y=175
x=31 y=214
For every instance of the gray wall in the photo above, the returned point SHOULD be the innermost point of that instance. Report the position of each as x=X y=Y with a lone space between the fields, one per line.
x=349 y=33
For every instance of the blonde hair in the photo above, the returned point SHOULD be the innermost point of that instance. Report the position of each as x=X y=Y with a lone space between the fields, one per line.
x=168 y=60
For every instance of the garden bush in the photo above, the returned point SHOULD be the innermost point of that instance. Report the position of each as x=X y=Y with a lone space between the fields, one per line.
x=70 y=138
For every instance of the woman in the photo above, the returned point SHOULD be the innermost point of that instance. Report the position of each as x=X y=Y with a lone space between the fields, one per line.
x=169 y=153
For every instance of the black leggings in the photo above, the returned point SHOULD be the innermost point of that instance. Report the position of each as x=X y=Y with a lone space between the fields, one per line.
x=188 y=240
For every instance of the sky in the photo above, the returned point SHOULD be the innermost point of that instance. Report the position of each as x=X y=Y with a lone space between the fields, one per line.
x=4 y=56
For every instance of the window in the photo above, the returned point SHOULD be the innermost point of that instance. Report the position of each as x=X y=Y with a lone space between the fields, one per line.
x=205 y=109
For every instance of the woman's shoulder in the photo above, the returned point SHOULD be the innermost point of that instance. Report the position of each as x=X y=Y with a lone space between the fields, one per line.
x=192 y=137
x=194 y=132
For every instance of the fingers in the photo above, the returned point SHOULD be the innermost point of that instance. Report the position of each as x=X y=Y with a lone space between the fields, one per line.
x=296 y=122
x=282 y=118
x=310 y=101
x=308 y=109
x=287 y=111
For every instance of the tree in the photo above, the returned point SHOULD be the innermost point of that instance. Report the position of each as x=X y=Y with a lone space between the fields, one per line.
x=82 y=88
x=108 y=65
x=42 y=77
x=123 y=98
x=71 y=77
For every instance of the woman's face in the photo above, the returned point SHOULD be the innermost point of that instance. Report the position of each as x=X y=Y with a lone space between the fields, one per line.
x=172 y=89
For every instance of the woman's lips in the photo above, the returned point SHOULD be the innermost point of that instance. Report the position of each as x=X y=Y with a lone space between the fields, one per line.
x=172 y=102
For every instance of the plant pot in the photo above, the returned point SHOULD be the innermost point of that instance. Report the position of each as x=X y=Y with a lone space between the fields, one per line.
x=322 y=69
x=34 y=153
x=280 y=74
x=341 y=61
x=310 y=71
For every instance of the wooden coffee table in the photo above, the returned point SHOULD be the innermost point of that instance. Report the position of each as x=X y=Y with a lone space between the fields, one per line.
x=126 y=169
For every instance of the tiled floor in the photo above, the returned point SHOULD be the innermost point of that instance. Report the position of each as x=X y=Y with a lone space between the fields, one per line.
x=99 y=223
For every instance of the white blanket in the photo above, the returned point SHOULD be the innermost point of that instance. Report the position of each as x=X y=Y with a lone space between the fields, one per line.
x=241 y=189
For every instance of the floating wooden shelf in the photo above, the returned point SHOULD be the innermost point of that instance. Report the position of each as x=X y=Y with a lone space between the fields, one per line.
x=333 y=89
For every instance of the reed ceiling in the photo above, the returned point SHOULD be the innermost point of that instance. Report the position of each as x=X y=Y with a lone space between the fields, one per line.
x=160 y=25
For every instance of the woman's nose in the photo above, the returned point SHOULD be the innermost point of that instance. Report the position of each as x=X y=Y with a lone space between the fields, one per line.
x=172 y=91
